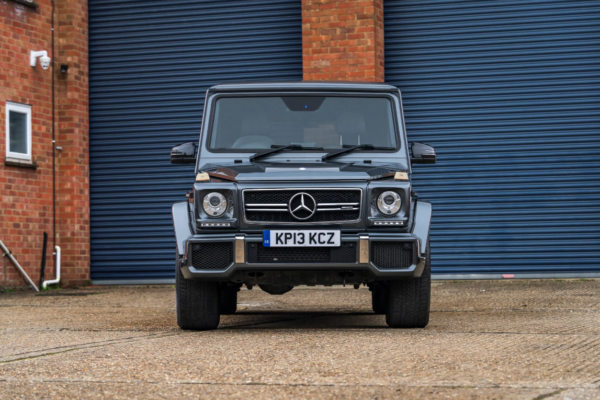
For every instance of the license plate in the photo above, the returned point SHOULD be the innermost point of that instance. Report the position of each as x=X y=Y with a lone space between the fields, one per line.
x=303 y=238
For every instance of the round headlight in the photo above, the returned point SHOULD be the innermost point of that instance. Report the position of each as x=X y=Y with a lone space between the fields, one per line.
x=215 y=204
x=389 y=203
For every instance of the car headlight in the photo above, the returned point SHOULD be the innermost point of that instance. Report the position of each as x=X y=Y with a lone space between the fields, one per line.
x=389 y=203
x=215 y=204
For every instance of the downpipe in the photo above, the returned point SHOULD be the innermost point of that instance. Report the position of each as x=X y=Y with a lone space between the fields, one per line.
x=57 y=272
x=43 y=266
x=16 y=264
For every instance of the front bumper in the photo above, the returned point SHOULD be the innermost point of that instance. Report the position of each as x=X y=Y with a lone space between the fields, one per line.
x=360 y=243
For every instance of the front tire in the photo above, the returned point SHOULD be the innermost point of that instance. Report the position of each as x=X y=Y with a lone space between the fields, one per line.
x=409 y=300
x=197 y=303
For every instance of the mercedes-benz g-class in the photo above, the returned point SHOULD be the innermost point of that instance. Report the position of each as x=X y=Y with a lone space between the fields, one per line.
x=303 y=183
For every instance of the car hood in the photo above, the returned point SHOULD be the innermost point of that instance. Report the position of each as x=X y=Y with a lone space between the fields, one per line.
x=301 y=172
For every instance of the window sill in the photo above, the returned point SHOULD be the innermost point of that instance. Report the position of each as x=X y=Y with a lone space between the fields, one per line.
x=28 y=3
x=14 y=162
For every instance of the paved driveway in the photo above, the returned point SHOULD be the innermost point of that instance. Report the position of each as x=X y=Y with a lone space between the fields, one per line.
x=486 y=339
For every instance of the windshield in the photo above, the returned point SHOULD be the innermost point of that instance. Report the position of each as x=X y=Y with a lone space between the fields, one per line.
x=257 y=123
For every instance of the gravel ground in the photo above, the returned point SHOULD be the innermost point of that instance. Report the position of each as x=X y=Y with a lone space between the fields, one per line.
x=524 y=339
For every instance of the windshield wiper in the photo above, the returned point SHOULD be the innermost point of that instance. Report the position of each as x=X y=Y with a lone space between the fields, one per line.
x=276 y=148
x=351 y=149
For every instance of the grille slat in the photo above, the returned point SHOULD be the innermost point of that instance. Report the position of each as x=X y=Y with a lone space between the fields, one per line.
x=212 y=256
x=281 y=198
x=392 y=255
x=258 y=254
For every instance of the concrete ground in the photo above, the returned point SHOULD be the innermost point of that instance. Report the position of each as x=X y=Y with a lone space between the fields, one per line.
x=486 y=339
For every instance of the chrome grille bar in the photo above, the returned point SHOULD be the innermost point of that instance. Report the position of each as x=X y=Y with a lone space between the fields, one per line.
x=266 y=205
x=267 y=209
x=337 y=204
x=338 y=209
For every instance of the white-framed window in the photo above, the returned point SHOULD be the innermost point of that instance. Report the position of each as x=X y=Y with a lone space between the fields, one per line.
x=18 y=131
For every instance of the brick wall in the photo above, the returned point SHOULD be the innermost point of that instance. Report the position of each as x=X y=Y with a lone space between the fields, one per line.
x=343 y=40
x=72 y=136
x=26 y=193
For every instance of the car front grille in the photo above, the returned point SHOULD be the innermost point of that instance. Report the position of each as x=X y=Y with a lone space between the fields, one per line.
x=272 y=206
x=392 y=255
x=212 y=256
x=258 y=254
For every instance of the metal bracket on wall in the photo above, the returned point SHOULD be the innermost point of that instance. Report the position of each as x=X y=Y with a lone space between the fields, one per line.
x=16 y=263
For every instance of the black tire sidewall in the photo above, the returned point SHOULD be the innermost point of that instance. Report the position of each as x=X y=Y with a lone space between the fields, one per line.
x=409 y=300
x=197 y=302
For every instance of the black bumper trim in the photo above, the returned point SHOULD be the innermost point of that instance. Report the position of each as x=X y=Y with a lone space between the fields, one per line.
x=189 y=272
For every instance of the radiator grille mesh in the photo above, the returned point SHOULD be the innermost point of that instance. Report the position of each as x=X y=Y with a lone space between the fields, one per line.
x=392 y=255
x=212 y=256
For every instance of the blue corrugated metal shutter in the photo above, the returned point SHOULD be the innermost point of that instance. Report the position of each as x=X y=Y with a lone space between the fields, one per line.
x=150 y=65
x=508 y=92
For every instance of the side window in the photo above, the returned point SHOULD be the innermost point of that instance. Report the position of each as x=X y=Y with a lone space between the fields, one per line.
x=18 y=131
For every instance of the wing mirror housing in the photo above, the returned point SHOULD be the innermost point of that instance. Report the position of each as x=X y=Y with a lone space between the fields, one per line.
x=422 y=154
x=184 y=153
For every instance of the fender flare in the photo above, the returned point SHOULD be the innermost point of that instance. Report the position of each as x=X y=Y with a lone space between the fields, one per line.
x=181 y=224
x=422 y=223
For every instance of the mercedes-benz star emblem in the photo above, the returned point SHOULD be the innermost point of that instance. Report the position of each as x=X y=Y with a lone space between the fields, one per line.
x=302 y=206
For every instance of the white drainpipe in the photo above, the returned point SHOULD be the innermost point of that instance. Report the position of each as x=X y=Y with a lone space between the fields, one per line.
x=16 y=263
x=57 y=269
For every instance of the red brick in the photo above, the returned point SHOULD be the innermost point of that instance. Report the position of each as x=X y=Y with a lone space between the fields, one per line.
x=351 y=49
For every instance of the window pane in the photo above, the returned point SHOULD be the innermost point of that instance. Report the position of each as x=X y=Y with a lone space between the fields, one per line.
x=330 y=122
x=18 y=132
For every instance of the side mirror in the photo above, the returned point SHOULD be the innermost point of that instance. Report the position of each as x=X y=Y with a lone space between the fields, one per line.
x=422 y=154
x=184 y=153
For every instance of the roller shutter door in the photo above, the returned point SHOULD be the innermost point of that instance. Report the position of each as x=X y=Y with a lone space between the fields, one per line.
x=150 y=65
x=508 y=92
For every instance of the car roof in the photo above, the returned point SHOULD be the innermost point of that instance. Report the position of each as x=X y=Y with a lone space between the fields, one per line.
x=304 y=86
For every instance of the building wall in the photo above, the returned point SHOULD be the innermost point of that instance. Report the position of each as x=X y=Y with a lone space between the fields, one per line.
x=26 y=196
x=343 y=40
x=73 y=186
